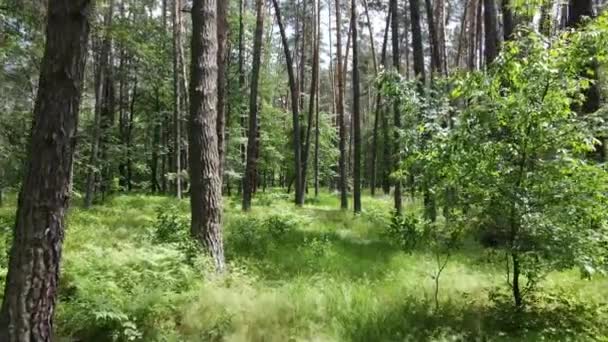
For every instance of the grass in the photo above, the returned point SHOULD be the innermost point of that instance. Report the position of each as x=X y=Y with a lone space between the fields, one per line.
x=322 y=275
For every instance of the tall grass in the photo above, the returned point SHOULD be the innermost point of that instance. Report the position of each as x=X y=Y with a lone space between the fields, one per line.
x=296 y=274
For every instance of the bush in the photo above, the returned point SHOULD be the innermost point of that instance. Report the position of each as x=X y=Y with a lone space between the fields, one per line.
x=174 y=228
x=406 y=231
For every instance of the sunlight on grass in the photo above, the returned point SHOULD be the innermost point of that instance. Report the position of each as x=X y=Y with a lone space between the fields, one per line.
x=296 y=274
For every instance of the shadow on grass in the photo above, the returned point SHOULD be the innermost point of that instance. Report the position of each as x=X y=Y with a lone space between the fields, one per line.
x=307 y=253
x=413 y=320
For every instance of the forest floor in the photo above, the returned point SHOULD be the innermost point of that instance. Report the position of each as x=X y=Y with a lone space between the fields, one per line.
x=310 y=274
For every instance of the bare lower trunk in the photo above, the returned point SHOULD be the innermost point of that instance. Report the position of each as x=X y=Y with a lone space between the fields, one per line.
x=356 y=112
x=294 y=105
x=32 y=281
x=252 y=142
x=340 y=109
x=206 y=183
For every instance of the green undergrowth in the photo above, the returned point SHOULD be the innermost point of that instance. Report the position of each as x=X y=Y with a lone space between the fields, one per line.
x=130 y=273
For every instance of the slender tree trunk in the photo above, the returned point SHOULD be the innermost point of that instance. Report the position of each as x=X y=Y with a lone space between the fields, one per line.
x=222 y=58
x=396 y=114
x=101 y=103
x=33 y=274
x=491 y=30
x=356 y=111
x=252 y=142
x=434 y=42
x=374 y=167
x=507 y=19
x=294 y=105
x=130 y=136
x=177 y=93
x=242 y=82
x=206 y=182
x=340 y=108
x=316 y=66
x=311 y=105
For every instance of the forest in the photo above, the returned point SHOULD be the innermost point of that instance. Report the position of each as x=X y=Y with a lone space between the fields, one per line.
x=303 y=170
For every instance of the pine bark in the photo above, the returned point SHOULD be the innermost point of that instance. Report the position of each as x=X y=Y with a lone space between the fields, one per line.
x=30 y=291
x=252 y=141
x=206 y=183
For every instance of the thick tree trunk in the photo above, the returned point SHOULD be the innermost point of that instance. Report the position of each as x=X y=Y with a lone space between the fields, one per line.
x=294 y=105
x=32 y=282
x=252 y=141
x=356 y=111
x=340 y=109
x=206 y=182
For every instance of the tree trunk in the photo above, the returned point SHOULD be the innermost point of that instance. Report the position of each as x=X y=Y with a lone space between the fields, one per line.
x=177 y=93
x=252 y=142
x=378 y=108
x=294 y=105
x=507 y=19
x=340 y=109
x=222 y=58
x=32 y=281
x=396 y=114
x=241 y=83
x=434 y=42
x=311 y=105
x=491 y=37
x=205 y=179
x=356 y=111
x=316 y=66
x=101 y=103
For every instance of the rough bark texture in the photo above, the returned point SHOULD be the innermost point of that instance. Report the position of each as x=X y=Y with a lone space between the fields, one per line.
x=252 y=141
x=340 y=109
x=356 y=112
x=491 y=30
x=32 y=281
x=206 y=182
x=294 y=104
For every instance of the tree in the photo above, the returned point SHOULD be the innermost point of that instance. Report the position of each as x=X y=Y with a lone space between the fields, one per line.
x=104 y=98
x=294 y=106
x=340 y=109
x=177 y=93
x=356 y=110
x=206 y=182
x=222 y=59
x=491 y=30
x=32 y=282
x=252 y=141
x=313 y=96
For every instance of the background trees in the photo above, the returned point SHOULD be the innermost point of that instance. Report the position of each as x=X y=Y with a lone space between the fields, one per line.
x=468 y=108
